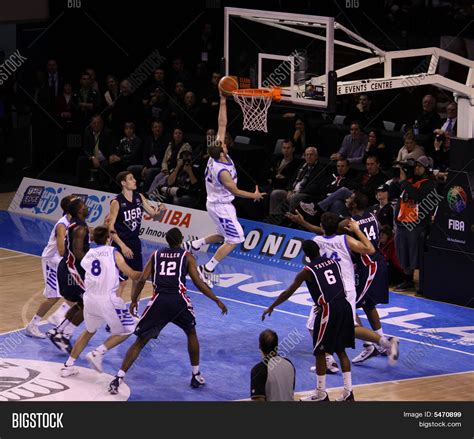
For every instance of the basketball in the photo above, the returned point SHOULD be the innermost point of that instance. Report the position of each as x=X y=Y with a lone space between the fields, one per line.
x=227 y=85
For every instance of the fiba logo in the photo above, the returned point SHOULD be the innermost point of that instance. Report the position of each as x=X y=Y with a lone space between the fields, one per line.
x=95 y=207
x=49 y=201
x=457 y=199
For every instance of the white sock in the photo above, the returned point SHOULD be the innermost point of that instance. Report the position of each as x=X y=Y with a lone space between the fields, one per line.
x=62 y=325
x=347 y=381
x=68 y=330
x=211 y=264
x=120 y=373
x=384 y=341
x=62 y=310
x=379 y=332
x=101 y=349
x=198 y=243
x=70 y=362
x=35 y=320
x=195 y=369
x=321 y=383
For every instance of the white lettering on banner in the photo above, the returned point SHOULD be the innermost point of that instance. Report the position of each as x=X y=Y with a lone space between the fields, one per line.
x=251 y=240
x=364 y=87
x=456 y=225
x=403 y=320
x=272 y=244
x=292 y=249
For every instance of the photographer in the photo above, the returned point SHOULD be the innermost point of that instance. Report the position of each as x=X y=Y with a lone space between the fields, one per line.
x=182 y=185
x=417 y=200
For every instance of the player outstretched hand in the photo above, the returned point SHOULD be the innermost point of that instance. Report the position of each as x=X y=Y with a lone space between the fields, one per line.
x=352 y=226
x=134 y=309
x=222 y=307
x=295 y=217
x=258 y=195
x=268 y=312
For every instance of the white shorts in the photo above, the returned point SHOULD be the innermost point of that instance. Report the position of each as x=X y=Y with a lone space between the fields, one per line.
x=112 y=310
x=351 y=298
x=50 y=269
x=227 y=224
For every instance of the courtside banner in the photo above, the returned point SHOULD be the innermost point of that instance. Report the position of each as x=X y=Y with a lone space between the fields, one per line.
x=38 y=198
x=271 y=245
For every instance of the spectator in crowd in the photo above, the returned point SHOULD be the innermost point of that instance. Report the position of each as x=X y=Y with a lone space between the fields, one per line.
x=362 y=113
x=353 y=145
x=159 y=107
x=153 y=152
x=94 y=83
x=413 y=217
x=112 y=90
x=387 y=248
x=375 y=146
x=174 y=150
x=127 y=108
x=208 y=45
x=306 y=185
x=191 y=117
x=441 y=145
x=211 y=98
x=182 y=184
x=200 y=81
x=63 y=108
x=98 y=145
x=158 y=82
x=367 y=184
x=179 y=73
x=451 y=123
x=55 y=81
x=128 y=152
x=86 y=101
x=273 y=378
x=177 y=98
x=301 y=137
x=410 y=149
x=428 y=120
x=283 y=167
x=383 y=210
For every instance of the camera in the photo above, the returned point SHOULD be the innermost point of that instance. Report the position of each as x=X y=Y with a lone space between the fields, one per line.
x=440 y=137
x=186 y=157
x=408 y=166
x=170 y=191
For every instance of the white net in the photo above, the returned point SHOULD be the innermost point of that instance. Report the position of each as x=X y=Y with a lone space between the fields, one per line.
x=255 y=109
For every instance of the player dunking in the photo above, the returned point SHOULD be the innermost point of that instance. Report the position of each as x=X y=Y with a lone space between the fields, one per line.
x=168 y=268
x=371 y=274
x=101 y=303
x=50 y=258
x=339 y=247
x=71 y=274
x=334 y=325
x=221 y=188
x=125 y=220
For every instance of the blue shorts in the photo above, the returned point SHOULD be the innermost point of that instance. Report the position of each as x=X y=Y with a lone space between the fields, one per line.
x=372 y=281
x=136 y=262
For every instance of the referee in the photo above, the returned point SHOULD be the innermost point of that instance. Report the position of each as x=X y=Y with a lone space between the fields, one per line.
x=273 y=379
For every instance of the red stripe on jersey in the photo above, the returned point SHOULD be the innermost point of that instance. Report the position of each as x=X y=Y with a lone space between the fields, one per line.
x=324 y=320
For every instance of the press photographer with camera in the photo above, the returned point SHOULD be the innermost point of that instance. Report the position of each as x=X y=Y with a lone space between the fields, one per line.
x=182 y=185
x=418 y=199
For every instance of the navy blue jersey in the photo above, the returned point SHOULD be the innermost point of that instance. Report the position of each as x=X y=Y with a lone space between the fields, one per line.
x=129 y=217
x=72 y=263
x=169 y=271
x=370 y=227
x=326 y=284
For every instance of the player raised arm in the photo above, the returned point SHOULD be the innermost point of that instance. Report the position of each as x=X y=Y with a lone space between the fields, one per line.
x=226 y=179
x=363 y=246
x=298 y=219
x=150 y=209
x=60 y=236
x=140 y=284
x=114 y=210
x=193 y=273
x=222 y=122
x=302 y=276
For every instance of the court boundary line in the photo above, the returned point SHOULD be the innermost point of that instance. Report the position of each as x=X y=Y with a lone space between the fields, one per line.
x=263 y=307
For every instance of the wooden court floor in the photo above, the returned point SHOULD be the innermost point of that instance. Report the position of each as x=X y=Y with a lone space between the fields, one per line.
x=21 y=287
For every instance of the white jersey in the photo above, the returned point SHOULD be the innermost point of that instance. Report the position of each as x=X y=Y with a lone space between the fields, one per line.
x=216 y=191
x=335 y=247
x=102 y=274
x=51 y=249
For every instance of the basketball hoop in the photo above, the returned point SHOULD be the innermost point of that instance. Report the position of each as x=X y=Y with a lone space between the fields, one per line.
x=255 y=103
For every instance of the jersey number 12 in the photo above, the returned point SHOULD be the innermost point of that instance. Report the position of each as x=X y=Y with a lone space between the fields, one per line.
x=168 y=268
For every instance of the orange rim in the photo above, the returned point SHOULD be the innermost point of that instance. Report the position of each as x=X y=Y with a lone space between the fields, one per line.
x=274 y=93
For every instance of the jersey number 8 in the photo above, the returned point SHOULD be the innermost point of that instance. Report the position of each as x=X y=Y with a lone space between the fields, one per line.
x=96 y=268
